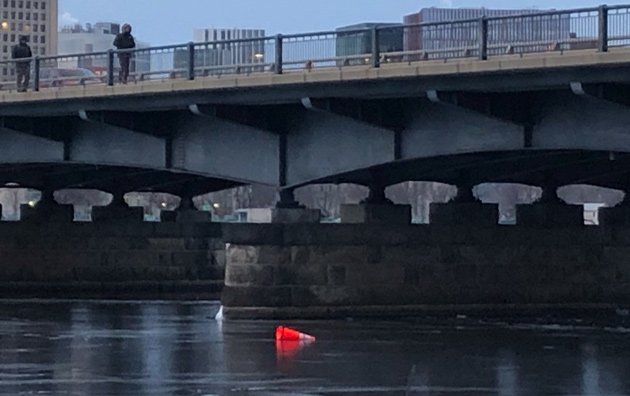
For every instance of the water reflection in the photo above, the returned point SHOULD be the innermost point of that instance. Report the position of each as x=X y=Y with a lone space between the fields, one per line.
x=507 y=374
x=178 y=349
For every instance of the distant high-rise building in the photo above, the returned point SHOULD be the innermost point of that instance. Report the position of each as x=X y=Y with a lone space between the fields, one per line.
x=99 y=37
x=541 y=29
x=356 y=40
x=248 y=52
x=237 y=53
x=36 y=19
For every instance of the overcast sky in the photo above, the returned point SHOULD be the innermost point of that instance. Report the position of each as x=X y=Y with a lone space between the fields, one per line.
x=162 y=22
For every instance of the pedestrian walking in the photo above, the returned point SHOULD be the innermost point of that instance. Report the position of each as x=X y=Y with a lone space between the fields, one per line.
x=23 y=67
x=124 y=41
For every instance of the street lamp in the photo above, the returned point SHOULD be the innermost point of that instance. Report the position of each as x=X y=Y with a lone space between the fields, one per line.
x=5 y=25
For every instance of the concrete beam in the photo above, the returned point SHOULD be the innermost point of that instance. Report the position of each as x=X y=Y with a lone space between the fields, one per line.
x=320 y=144
x=19 y=147
x=210 y=145
x=100 y=143
x=438 y=128
x=576 y=120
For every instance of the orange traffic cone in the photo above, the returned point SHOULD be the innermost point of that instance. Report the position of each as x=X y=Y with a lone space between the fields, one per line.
x=289 y=334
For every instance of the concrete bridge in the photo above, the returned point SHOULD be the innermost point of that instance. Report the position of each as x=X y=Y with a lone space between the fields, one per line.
x=542 y=114
x=546 y=114
x=544 y=119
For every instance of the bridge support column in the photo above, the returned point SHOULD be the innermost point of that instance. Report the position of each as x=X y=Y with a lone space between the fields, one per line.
x=117 y=210
x=550 y=211
x=465 y=209
x=47 y=210
x=186 y=213
x=288 y=210
x=376 y=209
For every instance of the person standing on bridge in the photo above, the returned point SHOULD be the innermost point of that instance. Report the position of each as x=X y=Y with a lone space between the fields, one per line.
x=124 y=41
x=23 y=68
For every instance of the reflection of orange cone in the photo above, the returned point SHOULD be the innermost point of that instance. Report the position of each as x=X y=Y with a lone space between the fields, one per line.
x=289 y=334
x=288 y=349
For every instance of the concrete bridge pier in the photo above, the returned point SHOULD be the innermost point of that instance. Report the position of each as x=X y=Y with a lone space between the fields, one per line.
x=117 y=210
x=376 y=209
x=47 y=210
x=288 y=210
x=465 y=209
x=550 y=211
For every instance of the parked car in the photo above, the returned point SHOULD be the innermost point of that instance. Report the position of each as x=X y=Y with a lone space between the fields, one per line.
x=56 y=77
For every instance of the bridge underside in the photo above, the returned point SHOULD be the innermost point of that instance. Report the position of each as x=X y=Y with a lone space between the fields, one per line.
x=115 y=179
x=537 y=168
x=566 y=132
x=533 y=167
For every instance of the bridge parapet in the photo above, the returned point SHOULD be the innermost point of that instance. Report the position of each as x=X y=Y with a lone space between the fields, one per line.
x=600 y=28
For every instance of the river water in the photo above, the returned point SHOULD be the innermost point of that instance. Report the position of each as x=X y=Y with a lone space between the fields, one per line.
x=148 y=348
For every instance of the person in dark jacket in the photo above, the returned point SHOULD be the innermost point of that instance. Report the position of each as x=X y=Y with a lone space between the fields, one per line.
x=124 y=41
x=23 y=68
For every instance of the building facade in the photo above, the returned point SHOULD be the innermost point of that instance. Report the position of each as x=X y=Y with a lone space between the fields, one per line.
x=233 y=53
x=36 y=19
x=216 y=55
x=541 y=29
x=356 y=40
x=79 y=39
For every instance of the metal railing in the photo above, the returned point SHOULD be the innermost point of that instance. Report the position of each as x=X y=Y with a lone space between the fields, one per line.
x=595 y=28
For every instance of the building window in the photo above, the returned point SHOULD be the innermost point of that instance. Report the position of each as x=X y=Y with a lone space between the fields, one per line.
x=21 y=4
x=35 y=16
x=28 y=5
x=42 y=28
x=43 y=40
x=35 y=5
x=5 y=3
x=35 y=28
x=42 y=51
x=35 y=39
x=43 y=5
x=20 y=15
x=12 y=3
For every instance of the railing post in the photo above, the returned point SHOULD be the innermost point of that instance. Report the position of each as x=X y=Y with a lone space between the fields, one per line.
x=279 y=56
x=376 y=48
x=110 y=68
x=602 y=37
x=191 y=61
x=36 y=74
x=483 y=38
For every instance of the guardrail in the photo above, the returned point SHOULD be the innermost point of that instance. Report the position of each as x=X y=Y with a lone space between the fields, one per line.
x=588 y=28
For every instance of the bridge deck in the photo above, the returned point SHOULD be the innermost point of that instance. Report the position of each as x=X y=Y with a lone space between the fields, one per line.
x=508 y=63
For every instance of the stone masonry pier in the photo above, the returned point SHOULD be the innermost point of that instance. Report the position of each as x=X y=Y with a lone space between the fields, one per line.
x=339 y=270
x=111 y=260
